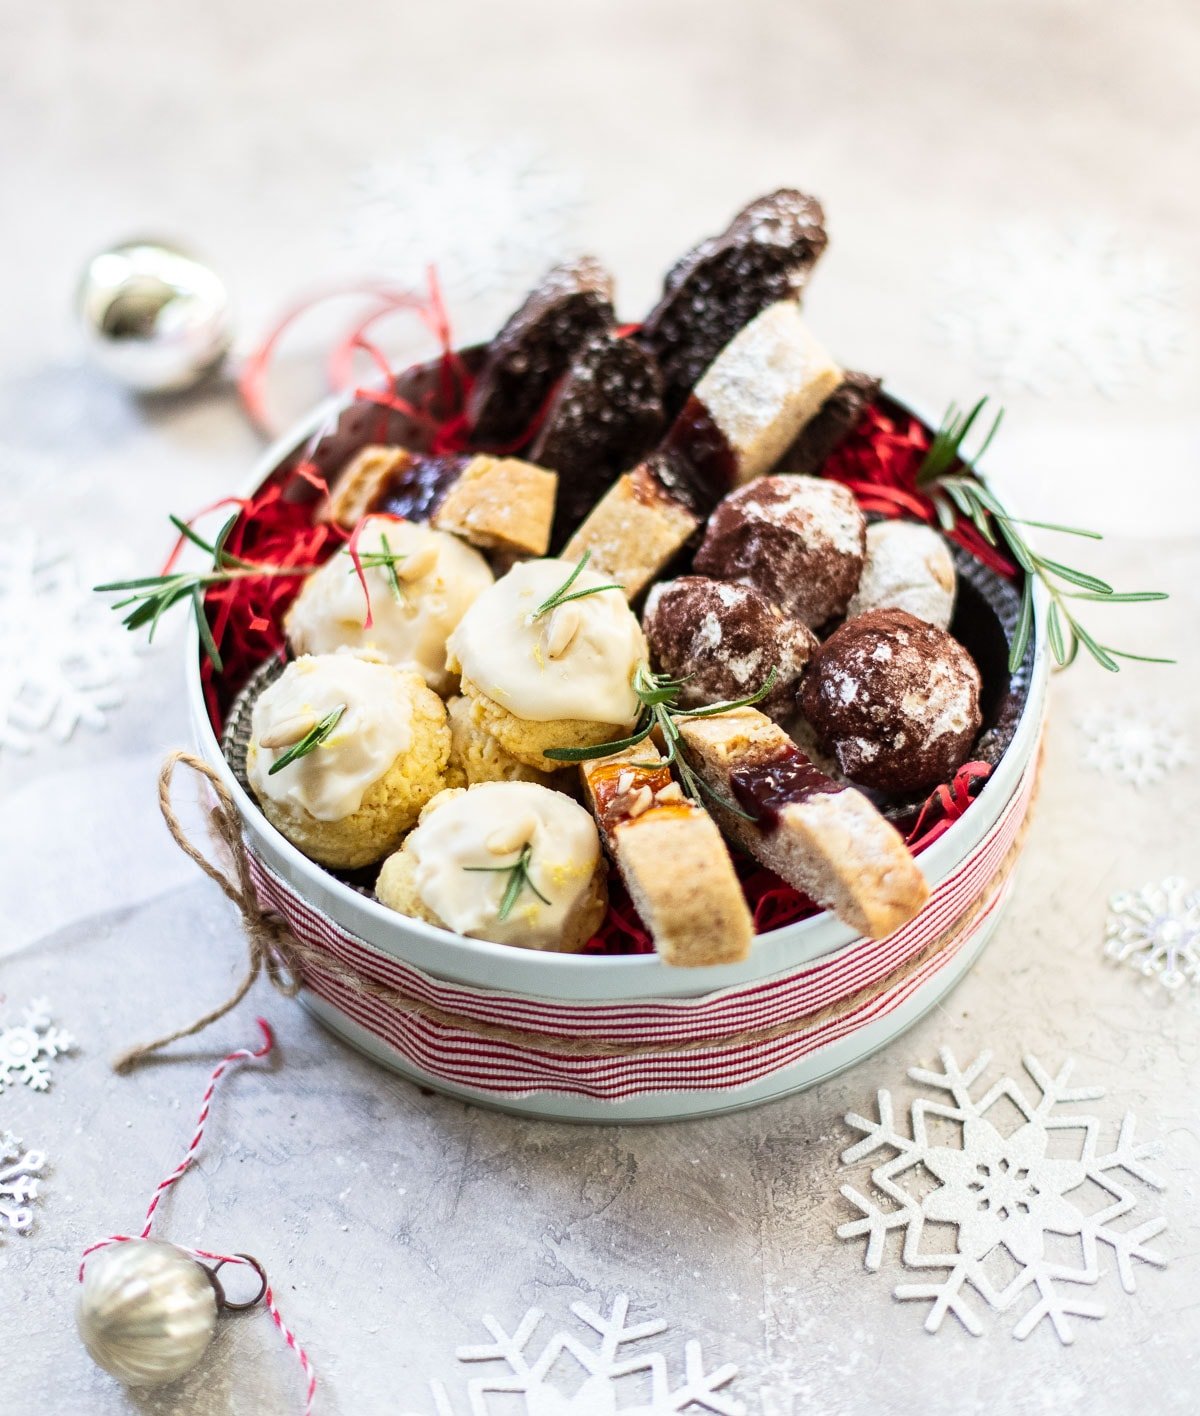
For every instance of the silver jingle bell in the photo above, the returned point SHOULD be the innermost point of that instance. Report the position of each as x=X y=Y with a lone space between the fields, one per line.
x=147 y=1311
x=154 y=317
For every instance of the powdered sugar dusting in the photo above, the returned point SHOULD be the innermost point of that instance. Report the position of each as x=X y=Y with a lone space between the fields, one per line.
x=908 y=567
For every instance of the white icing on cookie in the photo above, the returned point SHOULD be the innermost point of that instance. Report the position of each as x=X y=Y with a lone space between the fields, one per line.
x=473 y=828
x=410 y=630
x=505 y=652
x=330 y=781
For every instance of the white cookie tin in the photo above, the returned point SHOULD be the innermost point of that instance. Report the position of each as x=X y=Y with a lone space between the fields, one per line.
x=803 y=967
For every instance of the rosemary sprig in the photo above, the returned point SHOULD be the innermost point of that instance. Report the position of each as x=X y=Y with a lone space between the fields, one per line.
x=561 y=595
x=659 y=697
x=948 y=477
x=310 y=741
x=519 y=879
x=153 y=595
x=385 y=560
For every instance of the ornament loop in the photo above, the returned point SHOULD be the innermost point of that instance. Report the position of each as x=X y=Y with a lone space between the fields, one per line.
x=223 y=1303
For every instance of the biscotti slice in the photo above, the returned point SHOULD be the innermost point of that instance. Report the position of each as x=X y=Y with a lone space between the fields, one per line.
x=531 y=353
x=635 y=530
x=500 y=503
x=764 y=255
x=496 y=503
x=837 y=418
x=671 y=856
x=760 y=391
x=745 y=411
x=822 y=838
x=606 y=415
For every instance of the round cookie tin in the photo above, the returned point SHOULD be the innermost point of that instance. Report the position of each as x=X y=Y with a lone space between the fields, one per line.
x=620 y=1039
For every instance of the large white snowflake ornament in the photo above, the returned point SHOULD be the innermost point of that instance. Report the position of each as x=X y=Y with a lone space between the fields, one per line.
x=65 y=654
x=590 y=1375
x=19 y=1169
x=1041 y=307
x=1156 y=930
x=27 y=1047
x=487 y=214
x=1137 y=747
x=1007 y=1194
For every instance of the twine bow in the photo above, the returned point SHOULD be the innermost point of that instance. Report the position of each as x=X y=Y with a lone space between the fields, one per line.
x=270 y=942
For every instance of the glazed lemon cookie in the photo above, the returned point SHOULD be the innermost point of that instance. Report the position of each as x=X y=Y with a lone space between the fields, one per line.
x=547 y=657
x=344 y=752
x=420 y=584
x=476 y=756
x=512 y=862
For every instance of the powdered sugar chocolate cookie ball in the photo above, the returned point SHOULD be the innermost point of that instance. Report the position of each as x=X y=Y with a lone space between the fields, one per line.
x=725 y=639
x=909 y=567
x=799 y=541
x=894 y=699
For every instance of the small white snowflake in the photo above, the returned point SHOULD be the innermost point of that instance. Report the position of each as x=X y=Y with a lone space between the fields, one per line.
x=19 y=1169
x=1156 y=930
x=1036 y=307
x=488 y=215
x=25 y=1047
x=597 y=1371
x=1005 y=1194
x=65 y=654
x=1137 y=747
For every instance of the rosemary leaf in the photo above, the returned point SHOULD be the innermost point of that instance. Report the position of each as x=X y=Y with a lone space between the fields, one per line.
x=603 y=749
x=519 y=878
x=1054 y=632
x=1024 y=627
x=1075 y=577
x=206 y=637
x=564 y=592
x=1118 y=597
x=310 y=741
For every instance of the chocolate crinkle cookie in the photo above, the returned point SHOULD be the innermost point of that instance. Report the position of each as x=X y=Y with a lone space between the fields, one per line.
x=764 y=255
x=799 y=541
x=724 y=640
x=606 y=414
x=531 y=353
x=894 y=699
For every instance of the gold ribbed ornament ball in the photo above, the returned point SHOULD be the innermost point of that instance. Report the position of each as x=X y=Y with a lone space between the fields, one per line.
x=147 y=1311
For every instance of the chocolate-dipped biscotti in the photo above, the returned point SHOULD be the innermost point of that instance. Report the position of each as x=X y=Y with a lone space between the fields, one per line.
x=822 y=838
x=749 y=405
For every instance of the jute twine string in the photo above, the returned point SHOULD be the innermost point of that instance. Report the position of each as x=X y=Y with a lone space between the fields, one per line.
x=274 y=950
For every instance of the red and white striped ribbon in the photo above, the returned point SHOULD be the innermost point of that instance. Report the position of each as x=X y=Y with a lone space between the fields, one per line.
x=504 y=1067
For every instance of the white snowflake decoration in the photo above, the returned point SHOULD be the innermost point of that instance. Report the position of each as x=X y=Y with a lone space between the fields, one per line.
x=608 y=1371
x=1134 y=746
x=19 y=1169
x=488 y=216
x=65 y=654
x=1039 y=308
x=25 y=1048
x=1005 y=1194
x=1156 y=930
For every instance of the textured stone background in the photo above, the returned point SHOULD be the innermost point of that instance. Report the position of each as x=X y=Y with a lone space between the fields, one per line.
x=390 y=1220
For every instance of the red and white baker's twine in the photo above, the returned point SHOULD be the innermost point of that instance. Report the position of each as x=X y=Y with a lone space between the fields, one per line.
x=243 y=1054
